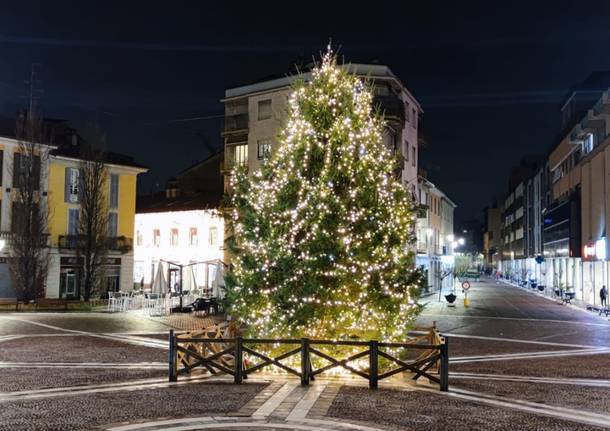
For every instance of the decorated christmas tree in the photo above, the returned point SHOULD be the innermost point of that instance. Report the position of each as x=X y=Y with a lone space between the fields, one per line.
x=323 y=232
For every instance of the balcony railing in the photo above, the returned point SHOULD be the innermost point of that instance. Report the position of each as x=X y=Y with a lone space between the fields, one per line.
x=235 y=123
x=9 y=237
x=119 y=243
x=391 y=106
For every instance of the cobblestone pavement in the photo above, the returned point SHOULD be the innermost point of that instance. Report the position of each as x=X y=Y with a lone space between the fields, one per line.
x=518 y=361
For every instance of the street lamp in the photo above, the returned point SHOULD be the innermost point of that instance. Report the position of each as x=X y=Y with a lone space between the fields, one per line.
x=461 y=241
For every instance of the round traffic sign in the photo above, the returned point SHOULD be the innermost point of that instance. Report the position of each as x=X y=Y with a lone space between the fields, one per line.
x=465 y=285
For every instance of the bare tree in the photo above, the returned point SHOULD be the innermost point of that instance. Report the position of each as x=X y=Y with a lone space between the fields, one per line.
x=92 y=244
x=29 y=256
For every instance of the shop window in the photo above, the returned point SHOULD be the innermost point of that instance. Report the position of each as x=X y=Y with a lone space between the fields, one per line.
x=156 y=237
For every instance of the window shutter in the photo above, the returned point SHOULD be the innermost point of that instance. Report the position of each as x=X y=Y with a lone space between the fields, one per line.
x=114 y=191
x=81 y=185
x=67 y=185
x=1 y=165
x=36 y=172
x=16 y=169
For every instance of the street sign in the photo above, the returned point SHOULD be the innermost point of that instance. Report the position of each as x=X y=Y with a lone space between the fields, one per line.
x=465 y=285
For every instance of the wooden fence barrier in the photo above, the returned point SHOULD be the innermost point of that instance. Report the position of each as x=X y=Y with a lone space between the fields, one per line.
x=226 y=355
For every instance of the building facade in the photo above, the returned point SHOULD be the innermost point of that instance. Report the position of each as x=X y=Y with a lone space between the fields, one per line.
x=180 y=232
x=59 y=197
x=434 y=232
x=254 y=114
x=567 y=207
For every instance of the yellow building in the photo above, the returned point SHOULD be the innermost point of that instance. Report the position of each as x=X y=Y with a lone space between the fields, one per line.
x=58 y=193
x=64 y=266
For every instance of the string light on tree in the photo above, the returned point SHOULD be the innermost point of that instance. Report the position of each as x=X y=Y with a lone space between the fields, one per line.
x=322 y=232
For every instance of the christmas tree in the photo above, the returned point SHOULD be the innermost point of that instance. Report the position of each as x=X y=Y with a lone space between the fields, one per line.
x=323 y=232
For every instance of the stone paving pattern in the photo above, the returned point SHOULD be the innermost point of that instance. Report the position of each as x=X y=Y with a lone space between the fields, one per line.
x=86 y=412
x=420 y=411
x=21 y=379
x=594 y=399
x=76 y=349
x=496 y=310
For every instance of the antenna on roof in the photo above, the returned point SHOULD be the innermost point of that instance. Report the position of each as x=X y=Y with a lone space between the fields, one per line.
x=34 y=91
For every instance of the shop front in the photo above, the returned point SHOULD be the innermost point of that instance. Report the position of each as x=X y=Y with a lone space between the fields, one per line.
x=595 y=270
x=71 y=277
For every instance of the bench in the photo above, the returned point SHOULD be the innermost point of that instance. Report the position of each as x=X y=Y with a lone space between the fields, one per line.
x=11 y=302
x=52 y=304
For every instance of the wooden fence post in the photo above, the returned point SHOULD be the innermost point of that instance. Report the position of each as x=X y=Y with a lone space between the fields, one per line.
x=444 y=370
x=305 y=365
x=173 y=365
x=239 y=359
x=373 y=364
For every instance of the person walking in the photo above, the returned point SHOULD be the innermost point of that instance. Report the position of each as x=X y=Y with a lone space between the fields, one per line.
x=603 y=295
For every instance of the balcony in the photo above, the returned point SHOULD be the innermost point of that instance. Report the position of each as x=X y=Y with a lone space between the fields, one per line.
x=422 y=211
x=391 y=107
x=120 y=243
x=9 y=237
x=235 y=123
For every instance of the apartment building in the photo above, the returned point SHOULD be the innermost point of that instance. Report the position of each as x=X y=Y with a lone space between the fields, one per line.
x=254 y=114
x=567 y=209
x=492 y=236
x=434 y=231
x=59 y=197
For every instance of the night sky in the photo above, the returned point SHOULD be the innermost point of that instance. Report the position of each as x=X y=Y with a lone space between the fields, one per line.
x=489 y=75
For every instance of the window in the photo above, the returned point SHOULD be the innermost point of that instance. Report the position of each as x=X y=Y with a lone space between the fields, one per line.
x=407 y=112
x=113 y=225
x=241 y=155
x=413 y=155
x=264 y=149
x=414 y=118
x=264 y=109
x=173 y=237
x=213 y=234
x=193 y=237
x=71 y=185
x=587 y=144
x=114 y=191
x=156 y=237
x=407 y=151
x=73 y=221
x=139 y=238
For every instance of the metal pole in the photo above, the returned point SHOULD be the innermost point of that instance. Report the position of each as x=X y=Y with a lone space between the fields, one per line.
x=173 y=366
x=444 y=371
x=238 y=377
x=305 y=366
x=373 y=364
